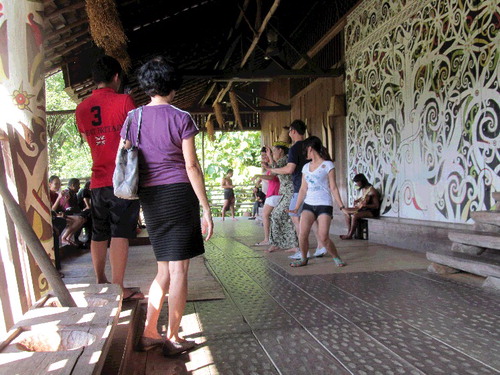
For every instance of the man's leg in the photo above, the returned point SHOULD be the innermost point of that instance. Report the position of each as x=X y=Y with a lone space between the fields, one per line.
x=118 y=255
x=123 y=224
x=233 y=201
x=225 y=207
x=98 y=250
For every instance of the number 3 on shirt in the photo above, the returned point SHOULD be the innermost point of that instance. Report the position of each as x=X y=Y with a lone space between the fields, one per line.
x=96 y=111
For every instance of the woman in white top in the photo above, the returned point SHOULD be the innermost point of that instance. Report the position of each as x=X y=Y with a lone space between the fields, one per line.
x=316 y=192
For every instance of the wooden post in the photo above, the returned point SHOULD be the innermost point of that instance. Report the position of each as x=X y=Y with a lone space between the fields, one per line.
x=24 y=145
x=34 y=245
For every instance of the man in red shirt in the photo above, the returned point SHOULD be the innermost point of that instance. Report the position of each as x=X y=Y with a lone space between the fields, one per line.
x=100 y=118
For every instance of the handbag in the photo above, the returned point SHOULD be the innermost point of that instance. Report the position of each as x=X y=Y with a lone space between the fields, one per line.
x=126 y=174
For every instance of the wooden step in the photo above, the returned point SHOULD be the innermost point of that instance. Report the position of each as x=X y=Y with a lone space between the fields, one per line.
x=475 y=238
x=80 y=336
x=467 y=263
x=482 y=227
x=124 y=337
x=486 y=217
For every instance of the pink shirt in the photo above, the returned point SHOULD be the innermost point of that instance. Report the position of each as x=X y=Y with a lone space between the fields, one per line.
x=274 y=186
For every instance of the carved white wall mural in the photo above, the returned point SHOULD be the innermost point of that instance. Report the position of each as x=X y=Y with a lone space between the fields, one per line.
x=423 y=102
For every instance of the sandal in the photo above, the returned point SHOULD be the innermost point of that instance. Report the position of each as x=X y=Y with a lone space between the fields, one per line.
x=299 y=263
x=172 y=348
x=148 y=343
x=339 y=262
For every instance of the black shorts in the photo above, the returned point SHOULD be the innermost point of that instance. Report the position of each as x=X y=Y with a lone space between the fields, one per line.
x=113 y=216
x=318 y=210
x=228 y=194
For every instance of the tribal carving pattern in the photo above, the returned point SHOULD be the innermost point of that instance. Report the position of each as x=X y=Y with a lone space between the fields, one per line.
x=423 y=107
x=21 y=78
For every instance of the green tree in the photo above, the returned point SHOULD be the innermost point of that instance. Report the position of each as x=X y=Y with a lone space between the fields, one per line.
x=69 y=156
x=239 y=151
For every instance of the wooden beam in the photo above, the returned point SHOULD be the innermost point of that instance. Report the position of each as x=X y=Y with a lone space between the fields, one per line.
x=69 y=38
x=62 y=30
x=258 y=75
x=65 y=112
x=260 y=32
x=66 y=9
x=320 y=44
x=243 y=110
x=66 y=50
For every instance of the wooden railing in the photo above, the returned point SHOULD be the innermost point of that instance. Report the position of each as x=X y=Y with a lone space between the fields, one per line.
x=243 y=195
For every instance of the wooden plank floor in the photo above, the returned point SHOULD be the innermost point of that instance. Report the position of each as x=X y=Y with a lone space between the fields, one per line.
x=326 y=320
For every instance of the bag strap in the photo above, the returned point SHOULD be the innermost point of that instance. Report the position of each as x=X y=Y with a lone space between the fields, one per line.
x=129 y=121
x=139 y=125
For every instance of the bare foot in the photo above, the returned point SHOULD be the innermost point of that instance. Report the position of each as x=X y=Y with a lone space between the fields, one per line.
x=345 y=237
x=234 y=219
x=272 y=248
x=262 y=243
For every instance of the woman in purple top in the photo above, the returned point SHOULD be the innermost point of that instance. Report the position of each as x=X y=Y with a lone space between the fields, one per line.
x=171 y=189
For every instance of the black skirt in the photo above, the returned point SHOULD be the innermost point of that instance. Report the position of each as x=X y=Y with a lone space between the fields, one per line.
x=172 y=215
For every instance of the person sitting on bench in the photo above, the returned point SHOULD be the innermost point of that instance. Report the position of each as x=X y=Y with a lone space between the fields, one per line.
x=367 y=205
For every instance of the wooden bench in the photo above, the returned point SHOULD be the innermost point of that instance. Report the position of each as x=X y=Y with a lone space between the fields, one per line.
x=64 y=340
x=411 y=234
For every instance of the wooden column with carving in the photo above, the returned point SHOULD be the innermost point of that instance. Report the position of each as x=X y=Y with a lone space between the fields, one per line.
x=24 y=148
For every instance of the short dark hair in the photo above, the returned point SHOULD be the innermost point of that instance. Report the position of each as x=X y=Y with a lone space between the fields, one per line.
x=73 y=182
x=52 y=178
x=159 y=76
x=105 y=68
x=263 y=149
x=360 y=177
x=282 y=147
x=299 y=126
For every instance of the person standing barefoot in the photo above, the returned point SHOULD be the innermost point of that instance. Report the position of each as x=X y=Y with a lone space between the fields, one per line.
x=229 y=199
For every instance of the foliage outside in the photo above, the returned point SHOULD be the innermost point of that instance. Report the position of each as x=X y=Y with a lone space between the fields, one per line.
x=69 y=157
x=239 y=151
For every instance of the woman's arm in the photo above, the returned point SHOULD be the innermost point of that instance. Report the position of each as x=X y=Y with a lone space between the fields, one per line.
x=334 y=189
x=55 y=206
x=268 y=177
x=196 y=179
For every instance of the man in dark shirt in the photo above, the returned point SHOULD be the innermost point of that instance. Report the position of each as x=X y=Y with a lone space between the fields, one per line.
x=296 y=161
